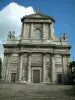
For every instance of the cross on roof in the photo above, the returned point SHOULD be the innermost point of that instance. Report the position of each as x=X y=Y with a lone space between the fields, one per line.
x=38 y=10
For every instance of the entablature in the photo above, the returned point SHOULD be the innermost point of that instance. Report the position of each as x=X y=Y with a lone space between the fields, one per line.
x=37 y=21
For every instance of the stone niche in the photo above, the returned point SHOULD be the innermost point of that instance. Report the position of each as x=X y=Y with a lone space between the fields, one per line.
x=14 y=63
x=25 y=67
x=48 y=68
x=58 y=59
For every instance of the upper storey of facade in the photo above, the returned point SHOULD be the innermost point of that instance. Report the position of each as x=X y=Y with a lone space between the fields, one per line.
x=37 y=28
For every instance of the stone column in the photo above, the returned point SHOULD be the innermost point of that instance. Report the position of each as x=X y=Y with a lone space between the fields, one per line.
x=69 y=71
x=52 y=31
x=29 y=68
x=44 y=68
x=20 y=73
x=63 y=74
x=23 y=74
x=53 y=69
x=31 y=36
x=65 y=68
x=44 y=31
x=7 y=70
x=24 y=31
x=49 y=37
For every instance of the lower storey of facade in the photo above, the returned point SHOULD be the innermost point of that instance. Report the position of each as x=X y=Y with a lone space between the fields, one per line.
x=35 y=68
x=36 y=76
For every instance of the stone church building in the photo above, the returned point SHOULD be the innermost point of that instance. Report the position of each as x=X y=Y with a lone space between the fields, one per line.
x=36 y=56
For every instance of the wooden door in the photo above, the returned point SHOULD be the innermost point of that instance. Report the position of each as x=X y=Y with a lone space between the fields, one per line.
x=13 y=77
x=59 y=78
x=36 y=76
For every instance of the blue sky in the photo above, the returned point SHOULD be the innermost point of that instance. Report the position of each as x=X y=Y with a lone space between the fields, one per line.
x=62 y=10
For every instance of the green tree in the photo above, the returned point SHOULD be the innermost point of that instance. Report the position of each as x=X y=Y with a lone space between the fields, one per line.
x=72 y=71
x=0 y=68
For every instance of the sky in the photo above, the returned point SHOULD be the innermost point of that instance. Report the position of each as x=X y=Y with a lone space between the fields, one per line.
x=63 y=11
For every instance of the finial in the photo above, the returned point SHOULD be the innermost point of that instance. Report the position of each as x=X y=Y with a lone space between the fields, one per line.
x=38 y=10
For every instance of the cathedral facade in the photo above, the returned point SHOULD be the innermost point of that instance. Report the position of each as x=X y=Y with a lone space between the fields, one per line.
x=36 y=56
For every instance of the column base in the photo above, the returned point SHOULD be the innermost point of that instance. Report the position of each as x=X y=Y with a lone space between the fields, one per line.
x=28 y=81
x=22 y=81
x=46 y=82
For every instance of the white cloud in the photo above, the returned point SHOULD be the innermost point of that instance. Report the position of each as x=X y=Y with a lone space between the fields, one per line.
x=10 y=19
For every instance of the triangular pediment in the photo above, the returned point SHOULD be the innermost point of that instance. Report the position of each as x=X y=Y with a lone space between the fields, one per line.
x=38 y=16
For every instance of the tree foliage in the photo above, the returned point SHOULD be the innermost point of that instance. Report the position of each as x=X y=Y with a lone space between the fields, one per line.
x=72 y=68
x=72 y=64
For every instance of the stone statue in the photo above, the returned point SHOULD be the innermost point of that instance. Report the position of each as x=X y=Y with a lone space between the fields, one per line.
x=61 y=36
x=11 y=35
x=64 y=36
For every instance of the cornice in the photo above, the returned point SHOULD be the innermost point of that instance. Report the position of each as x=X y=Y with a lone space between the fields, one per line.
x=38 y=45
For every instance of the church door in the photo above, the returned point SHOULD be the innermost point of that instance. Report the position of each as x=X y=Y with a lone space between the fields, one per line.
x=13 y=77
x=36 y=76
x=59 y=78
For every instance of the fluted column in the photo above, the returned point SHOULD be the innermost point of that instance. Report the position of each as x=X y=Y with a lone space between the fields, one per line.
x=53 y=69
x=29 y=68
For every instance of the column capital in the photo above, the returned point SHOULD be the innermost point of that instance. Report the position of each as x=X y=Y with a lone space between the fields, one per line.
x=65 y=54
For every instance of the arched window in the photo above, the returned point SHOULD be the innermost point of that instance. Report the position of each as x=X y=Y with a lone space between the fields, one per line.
x=37 y=34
